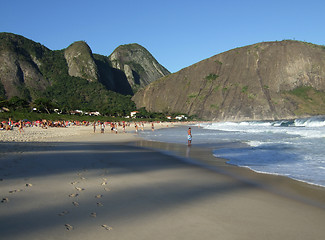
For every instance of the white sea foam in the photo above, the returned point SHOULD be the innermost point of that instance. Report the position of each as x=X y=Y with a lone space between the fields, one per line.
x=290 y=148
x=255 y=143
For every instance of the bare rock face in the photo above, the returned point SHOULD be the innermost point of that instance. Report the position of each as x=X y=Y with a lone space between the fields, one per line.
x=19 y=68
x=81 y=62
x=139 y=66
x=12 y=76
x=129 y=75
x=259 y=81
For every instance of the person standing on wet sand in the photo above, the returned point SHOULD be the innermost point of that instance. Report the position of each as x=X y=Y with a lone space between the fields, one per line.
x=102 y=127
x=189 y=137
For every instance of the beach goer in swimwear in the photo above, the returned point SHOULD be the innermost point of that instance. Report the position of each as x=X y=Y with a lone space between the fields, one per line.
x=189 y=136
x=20 y=126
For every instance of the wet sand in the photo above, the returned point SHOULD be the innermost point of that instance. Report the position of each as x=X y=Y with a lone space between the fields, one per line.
x=111 y=186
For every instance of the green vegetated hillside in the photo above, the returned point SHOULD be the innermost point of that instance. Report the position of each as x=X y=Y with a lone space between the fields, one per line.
x=72 y=78
x=269 y=80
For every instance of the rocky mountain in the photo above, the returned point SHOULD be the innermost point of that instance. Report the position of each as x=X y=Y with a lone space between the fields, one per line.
x=19 y=67
x=269 y=80
x=81 y=62
x=139 y=66
x=73 y=75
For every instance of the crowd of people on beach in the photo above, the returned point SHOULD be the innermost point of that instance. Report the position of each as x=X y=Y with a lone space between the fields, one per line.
x=113 y=126
x=10 y=124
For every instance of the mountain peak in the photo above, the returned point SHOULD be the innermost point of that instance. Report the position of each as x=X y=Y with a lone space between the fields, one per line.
x=80 y=61
x=140 y=67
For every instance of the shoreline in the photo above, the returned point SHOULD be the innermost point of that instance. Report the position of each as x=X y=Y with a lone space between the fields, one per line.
x=59 y=134
x=203 y=157
x=119 y=186
x=200 y=154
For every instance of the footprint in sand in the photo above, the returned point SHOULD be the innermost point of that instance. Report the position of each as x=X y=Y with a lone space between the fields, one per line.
x=75 y=204
x=107 y=227
x=104 y=183
x=16 y=190
x=29 y=185
x=68 y=227
x=99 y=204
x=79 y=189
x=93 y=214
x=5 y=200
x=63 y=213
x=74 y=183
x=80 y=176
x=74 y=195
x=99 y=196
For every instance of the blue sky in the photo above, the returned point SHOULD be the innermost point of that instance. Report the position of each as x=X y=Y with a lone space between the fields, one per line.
x=177 y=33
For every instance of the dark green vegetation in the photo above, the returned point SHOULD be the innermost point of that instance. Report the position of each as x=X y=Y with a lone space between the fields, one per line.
x=211 y=77
x=70 y=93
x=32 y=116
x=143 y=115
x=32 y=74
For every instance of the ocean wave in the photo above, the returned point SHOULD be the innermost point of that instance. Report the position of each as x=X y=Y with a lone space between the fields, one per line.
x=317 y=121
x=313 y=127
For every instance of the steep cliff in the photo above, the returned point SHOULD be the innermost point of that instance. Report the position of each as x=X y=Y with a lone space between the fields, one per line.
x=262 y=81
x=73 y=77
x=20 y=60
x=80 y=61
x=138 y=65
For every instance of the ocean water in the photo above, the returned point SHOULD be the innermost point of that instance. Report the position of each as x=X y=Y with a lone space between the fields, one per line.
x=295 y=148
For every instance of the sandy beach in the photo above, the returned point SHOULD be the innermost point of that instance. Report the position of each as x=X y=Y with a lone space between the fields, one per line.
x=72 y=183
